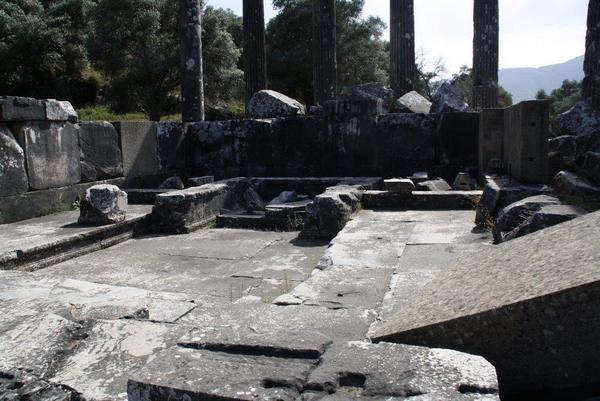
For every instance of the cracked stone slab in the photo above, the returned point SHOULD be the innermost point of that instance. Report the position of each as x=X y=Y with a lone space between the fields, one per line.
x=184 y=373
x=393 y=370
x=434 y=257
x=18 y=384
x=101 y=364
x=343 y=287
x=361 y=250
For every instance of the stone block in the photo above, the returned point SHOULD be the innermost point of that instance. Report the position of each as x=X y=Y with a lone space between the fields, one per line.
x=458 y=140
x=103 y=204
x=57 y=110
x=434 y=185
x=526 y=136
x=421 y=200
x=371 y=91
x=199 y=181
x=170 y=142
x=591 y=164
x=100 y=150
x=353 y=106
x=464 y=182
x=529 y=306
x=570 y=184
x=139 y=148
x=449 y=98
x=491 y=137
x=52 y=154
x=271 y=104
x=13 y=177
x=21 y=109
x=189 y=209
x=412 y=102
x=403 y=186
x=173 y=182
x=546 y=216
x=581 y=120
x=516 y=213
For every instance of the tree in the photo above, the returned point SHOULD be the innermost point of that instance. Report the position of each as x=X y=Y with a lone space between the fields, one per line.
x=563 y=98
x=464 y=79
x=361 y=53
x=427 y=73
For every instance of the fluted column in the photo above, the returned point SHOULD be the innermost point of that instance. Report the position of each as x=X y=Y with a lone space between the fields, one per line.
x=591 y=82
x=255 y=63
x=190 y=36
x=324 y=51
x=403 y=70
x=485 y=54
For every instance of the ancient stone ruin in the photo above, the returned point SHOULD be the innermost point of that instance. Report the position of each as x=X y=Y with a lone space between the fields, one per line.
x=379 y=245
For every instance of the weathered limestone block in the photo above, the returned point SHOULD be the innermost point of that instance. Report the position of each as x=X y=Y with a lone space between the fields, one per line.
x=330 y=211
x=103 y=204
x=139 y=147
x=170 y=142
x=371 y=91
x=491 y=137
x=21 y=109
x=183 y=211
x=100 y=151
x=52 y=154
x=516 y=213
x=449 y=98
x=199 y=181
x=402 y=186
x=253 y=201
x=570 y=184
x=438 y=184
x=271 y=104
x=57 y=110
x=529 y=306
x=546 y=216
x=353 y=106
x=173 y=182
x=464 y=182
x=412 y=102
x=580 y=120
x=13 y=178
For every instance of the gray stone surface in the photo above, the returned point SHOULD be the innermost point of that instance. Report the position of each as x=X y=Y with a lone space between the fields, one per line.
x=51 y=153
x=580 y=120
x=438 y=184
x=199 y=181
x=18 y=384
x=21 y=109
x=271 y=104
x=371 y=91
x=253 y=201
x=170 y=146
x=173 y=182
x=186 y=210
x=449 y=98
x=57 y=110
x=284 y=197
x=412 y=102
x=528 y=306
x=139 y=147
x=13 y=177
x=516 y=213
x=567 y=183
x=102 y=205
x=421 y=200
x=491 y=137
x=591 y=165
x=402 y=186
x=464 y=182
x=100 y=150
x=546 y=216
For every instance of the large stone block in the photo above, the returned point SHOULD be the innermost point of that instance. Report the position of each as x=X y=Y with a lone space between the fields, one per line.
x=526 y=132
x=491 y=138
x=57 y=110
x=100 y=150
x=139 y=148
x=21 y=109
x=170 y=140
x=13 y=178
x=458 y=140
x=52 y=154
x=189 y=209
x=530 y=306
x=449 y=98
x=271 y=104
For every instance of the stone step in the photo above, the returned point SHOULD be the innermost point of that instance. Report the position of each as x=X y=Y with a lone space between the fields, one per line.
x=421 y=200
x=144 y=196
x=253 y=221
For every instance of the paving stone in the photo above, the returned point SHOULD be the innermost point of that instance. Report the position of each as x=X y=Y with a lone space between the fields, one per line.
x=100 y=150
x=361 y=250
x=528 y=306
x=51 y=153
x=389 y=370
x=13 y=177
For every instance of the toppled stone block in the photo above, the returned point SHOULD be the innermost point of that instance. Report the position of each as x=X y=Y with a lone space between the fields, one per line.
x=103 y=204
x=173 y=182
x=271 y=104
x=449 y=98
x=284 y=197
x=529 y=306
x=199 y=181
x=21 y=109
x=570 y=184
x=412 y=102
x=183 y=211
x=57 y=110
x=581 y=120
x=464 y=182
x=100 y=151
x=403 y=186
x=253 y=201
x=546 y=216
x=13 y=178
x=516 y=213
x=52 y=154
x=371 y=91
x=438 y=184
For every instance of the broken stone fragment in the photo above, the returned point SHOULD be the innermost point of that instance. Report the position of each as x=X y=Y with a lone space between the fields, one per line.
x=103 y=204
x=412 y=102
x=371 y=91
x=570 y=184
x=271 y=104
x=449 y=98
x=253 y=201
x=284 y=197
x=516 y=213
x=579 y=120
x=173 y=182
x=403 y=186
x=464 y=182
x=57 y=110
x=438 y=184
x=13 y=178
x=546 y=216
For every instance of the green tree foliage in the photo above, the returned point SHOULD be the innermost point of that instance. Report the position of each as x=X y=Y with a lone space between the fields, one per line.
x=562 y=98
x=361 y=54
x=464 y=79
x=42 y=46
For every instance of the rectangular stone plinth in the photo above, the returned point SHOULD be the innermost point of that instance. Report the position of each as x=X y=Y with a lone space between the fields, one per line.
x=422 y=200
x=491 y=137
x=189 y=209
x=530 y=306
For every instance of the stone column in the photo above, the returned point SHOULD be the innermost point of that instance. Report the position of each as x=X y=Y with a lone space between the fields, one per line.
x=255 y=63
x=324 y=51
x=403 y=70
x=591 y=67
x=485 y=54
x=192 y=84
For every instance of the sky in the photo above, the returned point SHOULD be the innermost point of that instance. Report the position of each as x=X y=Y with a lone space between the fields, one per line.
x=533 y=33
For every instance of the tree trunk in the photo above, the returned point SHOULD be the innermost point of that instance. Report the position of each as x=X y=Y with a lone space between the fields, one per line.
x=403 y=71
x=192 y=85
x=591 y=67
x=324 y=51
x=485 y=54
x=255 y=64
